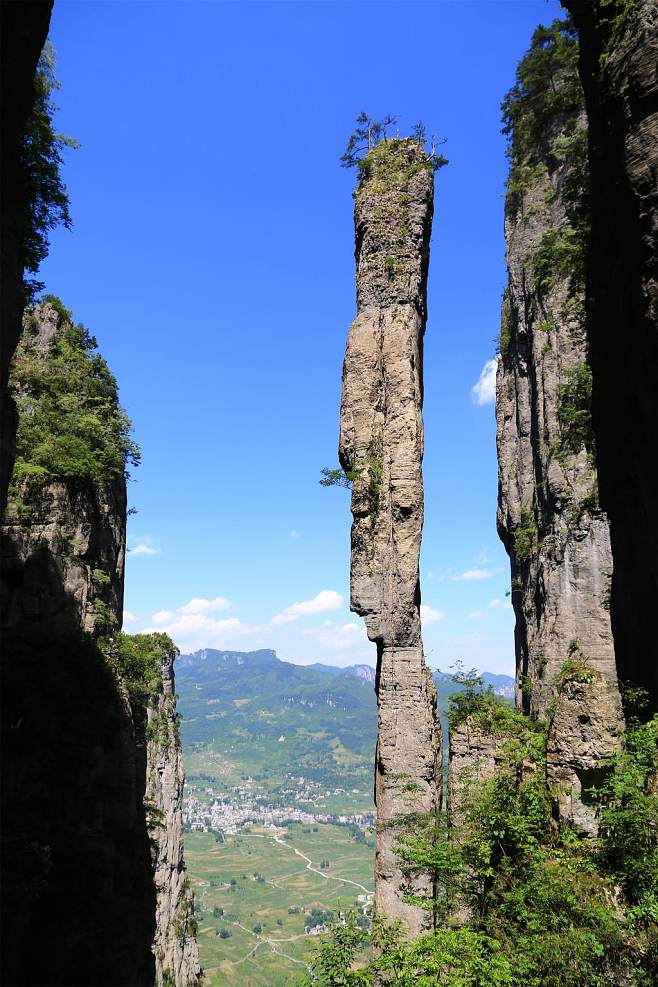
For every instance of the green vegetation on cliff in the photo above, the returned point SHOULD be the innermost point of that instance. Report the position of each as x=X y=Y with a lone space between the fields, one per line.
x=71 y=425
x=538 y=906
x=46 y=199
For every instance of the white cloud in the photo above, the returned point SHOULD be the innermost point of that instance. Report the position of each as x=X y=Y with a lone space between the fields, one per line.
x=500 y=604
x=326 y=599
x=471 y=574
x=484 y=391
x=349 y=640
x=143 y=549
x=476 y=615
x=162 y=617
x=206 y=606
x=429 y=615
x=128 y=617
x=442 y=576
x=466 y=639
x=294 y=534
x=196 y=630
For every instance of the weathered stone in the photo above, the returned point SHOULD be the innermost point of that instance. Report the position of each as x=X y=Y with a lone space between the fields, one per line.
x=549 y=518
x=586 y=727
x=81 y=771
x=619 y=72
x=174 y=942
x=474 y=757
x=381 y=443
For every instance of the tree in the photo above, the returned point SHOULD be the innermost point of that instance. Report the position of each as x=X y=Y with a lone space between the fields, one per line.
x=46 y=199
x=367 y=134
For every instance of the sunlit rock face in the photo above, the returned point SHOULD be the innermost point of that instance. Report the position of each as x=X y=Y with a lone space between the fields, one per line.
x=174 y=942
x=381 y=446
x=618 y=59
x=549 y=515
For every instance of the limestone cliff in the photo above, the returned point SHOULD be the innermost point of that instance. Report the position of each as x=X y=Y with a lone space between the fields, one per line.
x=174 y=944
x=87 y=866
x=381 y=448
x=618 y=67
x=474 y=757
x=63 y=544
x=549 y=516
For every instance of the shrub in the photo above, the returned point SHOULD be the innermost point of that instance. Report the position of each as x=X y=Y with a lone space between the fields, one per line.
x=71 y=426
x=525 y=536
x=575 y=408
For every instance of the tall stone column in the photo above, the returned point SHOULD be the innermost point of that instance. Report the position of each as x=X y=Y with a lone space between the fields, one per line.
x=381 y=445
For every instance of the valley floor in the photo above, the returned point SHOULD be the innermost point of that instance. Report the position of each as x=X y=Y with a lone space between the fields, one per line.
x=258 y=891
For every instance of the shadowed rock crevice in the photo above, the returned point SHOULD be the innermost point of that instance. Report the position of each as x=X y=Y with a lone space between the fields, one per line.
x=549 y=516
x=618 y=68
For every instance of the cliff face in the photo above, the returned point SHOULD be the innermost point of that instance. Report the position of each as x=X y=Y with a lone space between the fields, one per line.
x=381 y=446
x=474 y=757
x=549 y=517
x=63 y=544
x=92 y=850
x=618 y=69
x=174 y=943
x=23 y=32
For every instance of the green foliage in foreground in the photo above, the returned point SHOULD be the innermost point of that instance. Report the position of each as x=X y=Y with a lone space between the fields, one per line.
x=138 y=658
x=540 y=907
x=71 y=426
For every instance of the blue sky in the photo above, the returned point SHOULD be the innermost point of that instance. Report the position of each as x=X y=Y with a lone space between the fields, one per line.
x=212 y=257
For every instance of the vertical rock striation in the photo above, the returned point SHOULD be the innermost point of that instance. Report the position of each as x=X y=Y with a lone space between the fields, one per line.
x=381 y=447
x=549 y=517
x=174 y=943
x=619 y=72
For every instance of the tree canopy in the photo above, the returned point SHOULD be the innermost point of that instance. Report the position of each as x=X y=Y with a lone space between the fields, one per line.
x=71 y=425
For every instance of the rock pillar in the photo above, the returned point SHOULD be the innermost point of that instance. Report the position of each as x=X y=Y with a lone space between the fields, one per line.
x=381 y=447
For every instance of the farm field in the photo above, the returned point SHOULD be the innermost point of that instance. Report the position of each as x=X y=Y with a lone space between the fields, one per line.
x=255 y=894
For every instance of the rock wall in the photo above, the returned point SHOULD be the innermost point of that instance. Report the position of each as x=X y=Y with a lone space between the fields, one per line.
x=23 y=32
x=381 y=447
x=549 y=517
x=618 y=69
x=474 y=756
x=92 y=835
x=174 y=944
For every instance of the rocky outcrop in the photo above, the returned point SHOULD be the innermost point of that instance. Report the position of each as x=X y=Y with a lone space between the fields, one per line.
x=174 y=943
x=549 y=517
x=474 y=757
x=63 y=552
x=23 y=32
x=618 y=69
x=381 y=449
x=63 y=544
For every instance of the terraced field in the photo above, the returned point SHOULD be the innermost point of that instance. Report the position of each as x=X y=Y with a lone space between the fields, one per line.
x=266 y=885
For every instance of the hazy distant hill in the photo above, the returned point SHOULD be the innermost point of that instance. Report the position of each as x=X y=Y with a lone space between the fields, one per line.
x=255 y=699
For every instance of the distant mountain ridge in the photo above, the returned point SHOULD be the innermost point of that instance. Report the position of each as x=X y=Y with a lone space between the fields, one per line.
x=253 y=710
x=264 y=675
